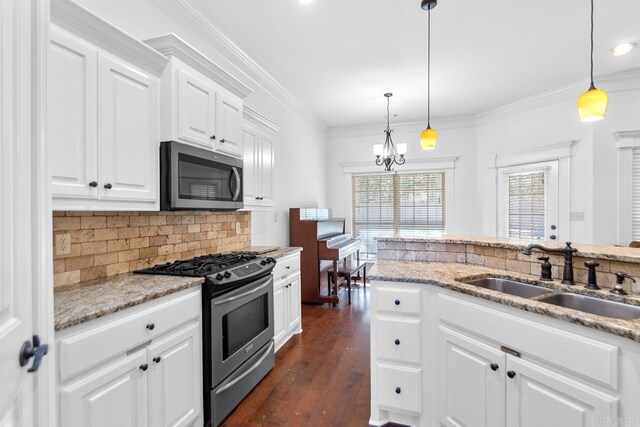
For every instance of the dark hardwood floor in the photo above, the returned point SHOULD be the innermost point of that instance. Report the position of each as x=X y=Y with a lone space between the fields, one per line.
x=321 y=377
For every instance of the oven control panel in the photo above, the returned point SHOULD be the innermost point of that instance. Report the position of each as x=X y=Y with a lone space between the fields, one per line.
x=242 y=273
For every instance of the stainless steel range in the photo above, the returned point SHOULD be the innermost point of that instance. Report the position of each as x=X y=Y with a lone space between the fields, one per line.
x=237 y=318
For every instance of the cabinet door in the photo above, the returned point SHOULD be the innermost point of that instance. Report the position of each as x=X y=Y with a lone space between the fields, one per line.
x=294 y=302
x=539 y=397
x=72 y=116
x=471 y=392
x=175 y=378
x=229 y=124
x=280 y=314
x=250 y=168
x=196 y=110
x=266 y=170
x=127 y=141
x=113 y=396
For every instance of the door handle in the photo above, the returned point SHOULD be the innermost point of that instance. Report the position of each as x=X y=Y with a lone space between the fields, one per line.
x=238 y=183
x=35 y=350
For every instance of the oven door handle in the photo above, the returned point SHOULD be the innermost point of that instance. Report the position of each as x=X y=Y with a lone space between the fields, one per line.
x=227 y=386
x=242 y=295
x=236 y=174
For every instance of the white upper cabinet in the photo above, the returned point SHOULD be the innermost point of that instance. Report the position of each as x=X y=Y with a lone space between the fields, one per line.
x=202 y=104
x=258 y=134
x=102 y=114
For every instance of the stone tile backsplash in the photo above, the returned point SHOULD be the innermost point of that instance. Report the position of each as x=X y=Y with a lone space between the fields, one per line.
x=108 y=243
x=506 y=259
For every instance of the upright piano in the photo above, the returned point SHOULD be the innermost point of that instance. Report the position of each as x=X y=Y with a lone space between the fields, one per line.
x=323 y=240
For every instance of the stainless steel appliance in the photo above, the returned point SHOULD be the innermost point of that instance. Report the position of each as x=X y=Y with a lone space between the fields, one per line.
x=193 y=178
x=237 y=318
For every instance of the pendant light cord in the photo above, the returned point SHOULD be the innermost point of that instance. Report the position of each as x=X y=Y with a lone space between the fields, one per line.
x=429 y=69
x=592 y=43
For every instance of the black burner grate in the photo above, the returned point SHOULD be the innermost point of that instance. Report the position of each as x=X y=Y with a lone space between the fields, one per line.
x=200 y=266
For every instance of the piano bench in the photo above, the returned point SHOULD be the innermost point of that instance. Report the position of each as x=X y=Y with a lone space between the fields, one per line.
x=347 y=270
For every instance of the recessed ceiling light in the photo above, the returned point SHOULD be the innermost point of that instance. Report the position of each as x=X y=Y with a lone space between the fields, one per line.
x=622 y=49
x=305 y=1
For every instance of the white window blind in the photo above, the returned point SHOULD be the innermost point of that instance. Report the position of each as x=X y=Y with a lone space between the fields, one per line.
x=526 y=207
x=399 y=203
x=635 y=196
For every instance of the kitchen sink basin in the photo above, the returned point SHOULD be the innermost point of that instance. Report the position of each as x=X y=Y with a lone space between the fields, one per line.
x=593 y=305
x=508 y=286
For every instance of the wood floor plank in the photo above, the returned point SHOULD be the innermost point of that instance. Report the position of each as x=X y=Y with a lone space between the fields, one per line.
x=321 y=377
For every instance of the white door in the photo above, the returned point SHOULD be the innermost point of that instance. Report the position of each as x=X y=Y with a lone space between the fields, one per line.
x=196 y=110
x=229 y=124
x=294 y=301
x=19 y=210
x=279 y=312
x=128 y=149
x=250 y=169
x=528 y=204
x=72 y=116
x=539 y=397
x=113 y=396
x=266 y=171
x=471 y=381
x=175 y=378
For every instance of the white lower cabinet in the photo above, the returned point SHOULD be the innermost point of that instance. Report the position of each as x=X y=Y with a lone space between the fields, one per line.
x=478 y=363
x=154 y=381
x=287 y=319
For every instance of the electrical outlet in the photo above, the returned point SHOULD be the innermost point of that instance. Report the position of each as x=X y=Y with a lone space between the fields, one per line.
x=63 y=244
x=238 y=228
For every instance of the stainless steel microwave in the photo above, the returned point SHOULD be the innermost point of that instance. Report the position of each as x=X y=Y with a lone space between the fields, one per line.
x=194 y=178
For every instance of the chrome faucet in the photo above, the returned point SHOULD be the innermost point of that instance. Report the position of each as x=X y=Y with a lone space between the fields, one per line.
x=568 y=251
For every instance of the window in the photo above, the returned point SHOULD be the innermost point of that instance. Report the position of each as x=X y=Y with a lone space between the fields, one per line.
x=528 y=202
x=407 y=204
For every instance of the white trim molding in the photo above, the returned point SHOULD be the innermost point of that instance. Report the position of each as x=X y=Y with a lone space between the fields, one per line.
x=409 y=167
x=627 y=142
x=253 y=116
x=79 y=21
x=535 y=155
x=172 y=45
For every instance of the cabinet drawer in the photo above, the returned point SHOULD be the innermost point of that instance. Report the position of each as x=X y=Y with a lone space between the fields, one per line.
x=287 y=265
x=570 y=352
x=399 y=388
x=101 y=339
x=402 y=301
x=398 y=340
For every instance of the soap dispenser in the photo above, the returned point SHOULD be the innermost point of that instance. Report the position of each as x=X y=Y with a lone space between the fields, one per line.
x=618 y=289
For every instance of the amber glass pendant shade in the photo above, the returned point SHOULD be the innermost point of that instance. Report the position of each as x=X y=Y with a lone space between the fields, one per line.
x=592 y=105
x=428 y=139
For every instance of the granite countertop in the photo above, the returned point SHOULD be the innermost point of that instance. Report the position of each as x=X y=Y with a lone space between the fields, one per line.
x=613 y=253
x=78 y=303
x=281 y=252
x=449 y=276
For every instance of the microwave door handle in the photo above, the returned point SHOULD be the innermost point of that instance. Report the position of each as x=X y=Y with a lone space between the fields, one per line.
x=238 y=183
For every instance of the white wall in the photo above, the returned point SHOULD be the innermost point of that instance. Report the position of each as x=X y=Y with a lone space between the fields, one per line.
x=296 y=183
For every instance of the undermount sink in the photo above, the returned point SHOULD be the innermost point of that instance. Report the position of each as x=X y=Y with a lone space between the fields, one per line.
x=592 y=305
x=507 y=286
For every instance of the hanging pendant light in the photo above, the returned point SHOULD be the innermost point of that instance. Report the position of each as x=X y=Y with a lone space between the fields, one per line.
x=429 y=137
x=592 y=105
x=387 y=154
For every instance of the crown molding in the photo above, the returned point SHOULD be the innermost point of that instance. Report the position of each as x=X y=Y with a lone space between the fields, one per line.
x=79 y=21
x=173 y=46
x=253 y=116
x=185 y=14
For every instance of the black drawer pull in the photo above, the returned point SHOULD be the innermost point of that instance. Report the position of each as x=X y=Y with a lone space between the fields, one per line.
x=494 y=366
x=397 y=341
x=150 y=326
x=511 y=374
x=397 y=302
x=144 y=366
x=157 y=359
x=93 y=184
x=108 y=186
x=212 y=137
x=398 y=390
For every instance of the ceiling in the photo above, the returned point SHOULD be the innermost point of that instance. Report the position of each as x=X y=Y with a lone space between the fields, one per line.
x=339 y=57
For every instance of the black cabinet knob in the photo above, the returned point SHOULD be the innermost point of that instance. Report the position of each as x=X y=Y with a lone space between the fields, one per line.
x=33 y=349
x=108 y=186
x=93 y=184
x=511 y=374
x=397 y=341
x=144 y=367
x=222 y=141
x=157 y=359
x=494 y=366
x=150 y=326
x=212 y=137
x=398 y=390
x=397 y=302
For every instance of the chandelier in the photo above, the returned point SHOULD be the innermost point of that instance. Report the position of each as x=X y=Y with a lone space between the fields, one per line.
x=387 y=154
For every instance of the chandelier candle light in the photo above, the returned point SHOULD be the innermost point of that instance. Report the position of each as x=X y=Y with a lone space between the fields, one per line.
x=592 y=105
x=387 y=154
x=428 y=137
